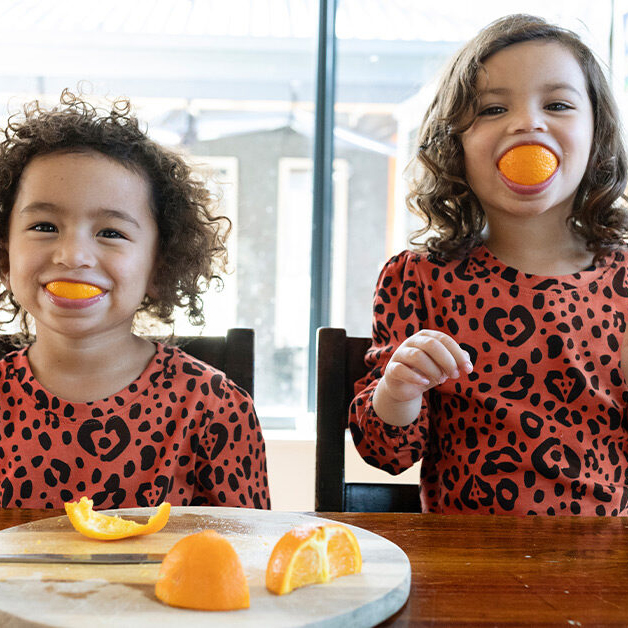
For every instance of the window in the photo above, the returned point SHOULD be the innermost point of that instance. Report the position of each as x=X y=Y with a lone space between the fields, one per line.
x=221 y=305
x=292 y=282
x=233 y=85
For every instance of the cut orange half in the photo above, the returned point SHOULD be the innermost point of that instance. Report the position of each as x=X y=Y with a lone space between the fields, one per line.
x=72 y=290
x=96 y=525
x=203 y=571
x=528 y=164
x=312 y=554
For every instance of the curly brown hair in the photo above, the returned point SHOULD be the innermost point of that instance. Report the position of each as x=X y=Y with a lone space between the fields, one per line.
x=191 y=248
x=441 y=195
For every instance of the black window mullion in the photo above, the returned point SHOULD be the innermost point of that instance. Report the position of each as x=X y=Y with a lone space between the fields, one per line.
x=322 y=211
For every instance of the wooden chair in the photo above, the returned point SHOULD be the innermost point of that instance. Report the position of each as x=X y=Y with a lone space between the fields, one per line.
x=233 y=354
x=340 y=362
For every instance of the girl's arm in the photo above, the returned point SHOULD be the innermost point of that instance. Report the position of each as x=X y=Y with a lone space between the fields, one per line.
x=398 y=309
x=389 y=415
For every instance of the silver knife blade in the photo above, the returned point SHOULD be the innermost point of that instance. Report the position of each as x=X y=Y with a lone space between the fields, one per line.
x=89 y=559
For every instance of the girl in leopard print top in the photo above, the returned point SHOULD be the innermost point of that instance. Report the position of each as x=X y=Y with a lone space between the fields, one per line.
x=97 y=224
x=497 y=346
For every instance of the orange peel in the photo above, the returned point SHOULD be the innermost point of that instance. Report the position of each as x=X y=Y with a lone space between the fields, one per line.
x=73 y=290
x=528 y=164
x=312 y=554
x=96 y=525
x=203 y=571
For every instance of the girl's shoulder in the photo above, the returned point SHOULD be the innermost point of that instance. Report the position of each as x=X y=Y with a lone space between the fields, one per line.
x=417 y=262
x=179 y=365
x=14 y=361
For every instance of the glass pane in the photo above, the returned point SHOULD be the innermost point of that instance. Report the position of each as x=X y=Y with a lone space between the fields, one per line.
x=390 y=52
x=232 y=84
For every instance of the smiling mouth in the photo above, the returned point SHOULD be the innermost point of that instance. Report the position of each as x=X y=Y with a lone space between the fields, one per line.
x=73 y=290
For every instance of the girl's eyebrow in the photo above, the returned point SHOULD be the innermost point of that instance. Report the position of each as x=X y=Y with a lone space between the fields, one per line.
x=548 y=87
x=104 y=212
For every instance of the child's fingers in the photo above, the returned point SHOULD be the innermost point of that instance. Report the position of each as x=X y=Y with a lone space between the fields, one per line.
x=444 y=351
x=405 y=375
x=418 y=361
x=423 y=362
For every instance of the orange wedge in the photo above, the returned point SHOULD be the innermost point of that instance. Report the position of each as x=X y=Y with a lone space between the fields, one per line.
x=72 y=290
x=95 y=525
x=203 y=571
x=528 y=164
x=311 y=554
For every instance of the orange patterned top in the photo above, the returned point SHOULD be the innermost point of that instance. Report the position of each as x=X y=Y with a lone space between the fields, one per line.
x=539 y=426
x=181 y=432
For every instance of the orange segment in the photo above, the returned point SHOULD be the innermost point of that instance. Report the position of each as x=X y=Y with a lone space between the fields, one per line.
x=203 y=571
x=307 y=555
x=72 y=290
x=528 y=164
x=96 y=525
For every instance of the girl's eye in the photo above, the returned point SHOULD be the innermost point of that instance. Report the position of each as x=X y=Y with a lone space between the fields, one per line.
x=558 y=106
x=493 y=110
x=110 y=234
x=44 y=227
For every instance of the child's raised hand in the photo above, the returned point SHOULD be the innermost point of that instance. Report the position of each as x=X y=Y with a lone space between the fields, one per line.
x=422 y=361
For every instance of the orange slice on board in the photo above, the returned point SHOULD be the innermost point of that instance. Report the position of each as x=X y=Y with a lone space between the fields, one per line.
x=96 y=525
x=72 y=290
x=203 y=571
x=311 y=554
x=528 y=164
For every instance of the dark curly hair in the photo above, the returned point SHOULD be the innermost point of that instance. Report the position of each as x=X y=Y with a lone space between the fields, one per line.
x=191 y=241
x=440 y=194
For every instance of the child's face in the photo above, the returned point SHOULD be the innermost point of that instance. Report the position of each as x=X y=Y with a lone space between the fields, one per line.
x=532 y=92
x=81 y=217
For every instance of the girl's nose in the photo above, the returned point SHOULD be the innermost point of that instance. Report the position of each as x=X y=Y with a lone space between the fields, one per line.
x=74 y=251
x=527 y=120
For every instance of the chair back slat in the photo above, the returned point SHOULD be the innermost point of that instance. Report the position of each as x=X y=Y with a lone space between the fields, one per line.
x=340 y=363
x=331 y=420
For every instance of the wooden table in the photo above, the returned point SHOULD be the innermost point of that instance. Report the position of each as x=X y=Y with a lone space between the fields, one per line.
x=489 y=570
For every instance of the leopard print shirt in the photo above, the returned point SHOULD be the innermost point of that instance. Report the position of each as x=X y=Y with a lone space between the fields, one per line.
x=181 y=432
x=539 y=426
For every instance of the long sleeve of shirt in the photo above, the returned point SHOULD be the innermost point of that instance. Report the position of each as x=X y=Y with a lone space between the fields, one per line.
x=397 y=314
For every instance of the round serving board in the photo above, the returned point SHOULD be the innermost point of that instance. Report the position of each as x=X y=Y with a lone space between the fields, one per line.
x=73 y=595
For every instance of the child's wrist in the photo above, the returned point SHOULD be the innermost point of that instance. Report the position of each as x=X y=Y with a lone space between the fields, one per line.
x=393 y=411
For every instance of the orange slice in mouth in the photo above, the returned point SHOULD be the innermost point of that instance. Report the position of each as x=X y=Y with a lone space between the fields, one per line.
x=72 y=290
x=96 y=525
x=528 y=164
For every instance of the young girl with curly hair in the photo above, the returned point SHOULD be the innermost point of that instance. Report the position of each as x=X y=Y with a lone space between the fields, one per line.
x=98 y=223
x=497 y=345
